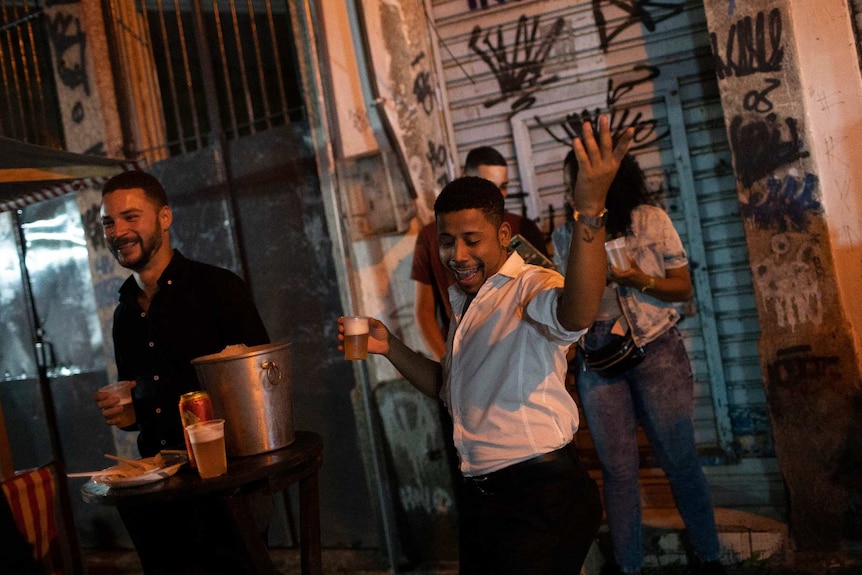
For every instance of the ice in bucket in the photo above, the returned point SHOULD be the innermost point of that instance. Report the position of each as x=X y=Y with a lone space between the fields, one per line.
x=618 y=255
x=355 y=337
x=207 y=439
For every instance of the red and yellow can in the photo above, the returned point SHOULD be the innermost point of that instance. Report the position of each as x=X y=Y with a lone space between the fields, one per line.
x=195 y=406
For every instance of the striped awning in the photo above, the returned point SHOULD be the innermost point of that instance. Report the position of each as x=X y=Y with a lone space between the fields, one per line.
x=31 y=173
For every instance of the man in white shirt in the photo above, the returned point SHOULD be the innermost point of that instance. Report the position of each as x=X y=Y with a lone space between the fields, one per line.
x=529 y=506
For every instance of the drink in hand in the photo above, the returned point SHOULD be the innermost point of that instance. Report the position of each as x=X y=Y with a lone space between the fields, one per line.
x=355 y=337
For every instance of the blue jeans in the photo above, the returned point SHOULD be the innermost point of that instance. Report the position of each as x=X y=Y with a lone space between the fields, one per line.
x=659 y=392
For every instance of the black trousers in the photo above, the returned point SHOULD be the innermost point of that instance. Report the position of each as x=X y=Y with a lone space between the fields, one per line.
x=536 y=519
x=193 y=536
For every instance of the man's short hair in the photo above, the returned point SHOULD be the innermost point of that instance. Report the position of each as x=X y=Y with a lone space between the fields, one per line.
x=468 y=193
x=133 y=179
x=482 y=156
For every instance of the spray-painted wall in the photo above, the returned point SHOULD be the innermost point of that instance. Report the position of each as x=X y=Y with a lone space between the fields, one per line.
x=783 y=81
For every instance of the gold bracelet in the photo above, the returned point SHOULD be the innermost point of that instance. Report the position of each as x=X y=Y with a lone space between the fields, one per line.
x=650 y=285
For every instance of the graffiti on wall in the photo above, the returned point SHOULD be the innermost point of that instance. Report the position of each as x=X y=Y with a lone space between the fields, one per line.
x=782 y=204
x=753 y=46
x=761 y=146
x=750 y=48
x=519 y=68
x=84 y=134
x=788 y=282
x=797 y=365
x=407 y=92
x=763 y=142
x=645 y=13
x=621 y=118
x=416 y=445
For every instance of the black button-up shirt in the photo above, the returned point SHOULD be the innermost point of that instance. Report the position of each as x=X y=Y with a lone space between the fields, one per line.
x=198 y=310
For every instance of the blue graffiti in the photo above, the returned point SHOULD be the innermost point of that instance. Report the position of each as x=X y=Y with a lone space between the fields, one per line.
x=783 y=206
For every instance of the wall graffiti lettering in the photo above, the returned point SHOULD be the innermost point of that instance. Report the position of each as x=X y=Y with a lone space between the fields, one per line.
x=621 y=118
x=519 y=72
x=750 y=48
x=438 y=157
x=757 y=100
x=760 y=149
x=424 y=91
x=423 y=87
x=796 y=364
x=437 y=154
x=70 y=47
x=644 y=12
x=75 y=90
x=413 y=433
x=431 y=500
x=787 y=282
x=783 y=205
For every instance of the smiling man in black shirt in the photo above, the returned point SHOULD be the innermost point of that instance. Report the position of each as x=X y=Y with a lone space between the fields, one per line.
x=171 y=311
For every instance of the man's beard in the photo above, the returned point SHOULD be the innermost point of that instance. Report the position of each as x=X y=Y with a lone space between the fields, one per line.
x=147 y=249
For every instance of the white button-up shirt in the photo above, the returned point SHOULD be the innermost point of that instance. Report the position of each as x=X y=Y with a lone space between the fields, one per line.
x=504 y=369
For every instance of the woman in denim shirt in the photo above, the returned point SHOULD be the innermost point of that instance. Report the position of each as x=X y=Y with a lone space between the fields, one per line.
x=658 y=391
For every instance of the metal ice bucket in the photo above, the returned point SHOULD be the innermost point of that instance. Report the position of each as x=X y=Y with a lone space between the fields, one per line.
x=250 y=388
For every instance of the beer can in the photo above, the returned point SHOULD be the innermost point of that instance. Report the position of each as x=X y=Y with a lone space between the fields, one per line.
x=195 y=406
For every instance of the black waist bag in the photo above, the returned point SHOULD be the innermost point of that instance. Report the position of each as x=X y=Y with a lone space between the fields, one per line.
x=615 y=358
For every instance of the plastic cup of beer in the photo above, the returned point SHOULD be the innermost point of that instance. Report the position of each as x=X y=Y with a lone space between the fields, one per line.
x=207 y=439
x=618 y=255
x=355 y=337
x=122 y=390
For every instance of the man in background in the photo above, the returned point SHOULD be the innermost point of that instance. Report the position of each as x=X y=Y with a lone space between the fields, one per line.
x=431 y=306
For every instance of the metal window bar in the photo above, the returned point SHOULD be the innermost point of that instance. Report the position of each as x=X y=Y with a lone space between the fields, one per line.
x=41 y=116
x=25 y=69
x=259 y=62
x=255 y=82
x=241 y=60
x=224 y=67
x=15 y=102
x=27 y=110
x=277 y=58
x=189 y=82
x=171 y=76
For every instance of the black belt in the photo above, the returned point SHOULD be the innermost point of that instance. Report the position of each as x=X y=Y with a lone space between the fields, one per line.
x=524 y=471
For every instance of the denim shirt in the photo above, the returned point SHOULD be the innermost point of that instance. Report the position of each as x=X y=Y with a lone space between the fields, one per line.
x=653 y=242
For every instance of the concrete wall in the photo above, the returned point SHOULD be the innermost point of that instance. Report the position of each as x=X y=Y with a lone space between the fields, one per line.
x=790 y=87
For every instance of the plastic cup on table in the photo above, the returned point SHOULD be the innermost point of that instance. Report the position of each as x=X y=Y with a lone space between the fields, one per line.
x=207 y=439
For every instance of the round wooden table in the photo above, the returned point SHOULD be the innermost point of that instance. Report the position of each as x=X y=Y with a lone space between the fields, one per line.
x=246 y=478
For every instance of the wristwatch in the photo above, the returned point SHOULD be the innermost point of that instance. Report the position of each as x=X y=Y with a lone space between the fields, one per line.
x=596 y=222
